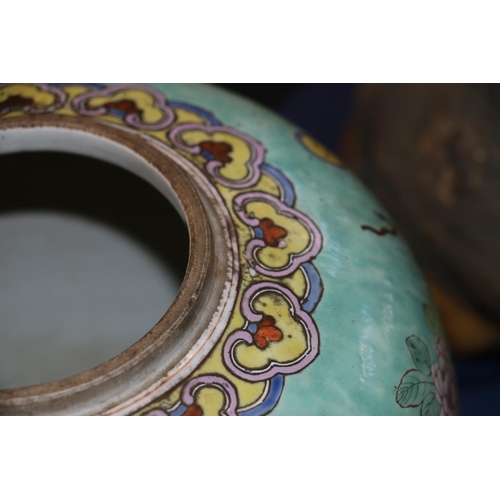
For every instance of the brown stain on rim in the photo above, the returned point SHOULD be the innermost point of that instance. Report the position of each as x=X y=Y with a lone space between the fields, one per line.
x=92 y=386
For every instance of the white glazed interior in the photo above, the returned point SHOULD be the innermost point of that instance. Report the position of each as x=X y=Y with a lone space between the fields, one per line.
x=75 y=141
x=110 y=290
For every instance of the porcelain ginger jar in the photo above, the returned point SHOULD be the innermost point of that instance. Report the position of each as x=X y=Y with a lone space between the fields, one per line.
x=300 y=298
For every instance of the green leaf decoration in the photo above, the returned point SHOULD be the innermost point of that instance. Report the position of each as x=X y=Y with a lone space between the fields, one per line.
x=413 y=388
x=433 y=320
x=420 y=354
x=430 y=406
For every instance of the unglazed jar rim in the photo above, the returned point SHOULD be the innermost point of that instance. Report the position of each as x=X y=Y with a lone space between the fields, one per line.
x=99 y=389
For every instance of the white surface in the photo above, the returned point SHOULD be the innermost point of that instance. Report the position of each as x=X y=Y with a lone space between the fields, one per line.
x=73 y=293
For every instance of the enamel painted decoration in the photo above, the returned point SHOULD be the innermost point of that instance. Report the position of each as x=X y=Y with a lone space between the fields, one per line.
x=300 y=298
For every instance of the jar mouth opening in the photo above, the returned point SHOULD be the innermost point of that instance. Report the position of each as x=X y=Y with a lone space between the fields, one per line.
x=159 y=350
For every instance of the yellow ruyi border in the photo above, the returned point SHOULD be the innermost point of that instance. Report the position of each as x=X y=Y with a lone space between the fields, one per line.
x=271 y=333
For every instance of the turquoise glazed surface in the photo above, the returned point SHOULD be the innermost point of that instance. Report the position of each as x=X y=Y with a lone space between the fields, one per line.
x=374 y=294
x=373 y=342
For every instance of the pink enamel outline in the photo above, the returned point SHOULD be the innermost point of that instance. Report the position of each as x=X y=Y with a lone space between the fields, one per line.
x=132 y=119
x=213 y=166
x=256 y=243
x=157 y=412
x=60 y=99
x=227 y=388
x=274 y=368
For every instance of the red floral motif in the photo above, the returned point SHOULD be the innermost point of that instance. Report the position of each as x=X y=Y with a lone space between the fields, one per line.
x=219 y=150
x=15 y=102
x=271 y=233
x=444 y=379
x=267 y=332
x=126 y=106
x=193 y=411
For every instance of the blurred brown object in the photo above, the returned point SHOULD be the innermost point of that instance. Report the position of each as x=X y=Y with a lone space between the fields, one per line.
x=467 y=331
x=431 y=154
